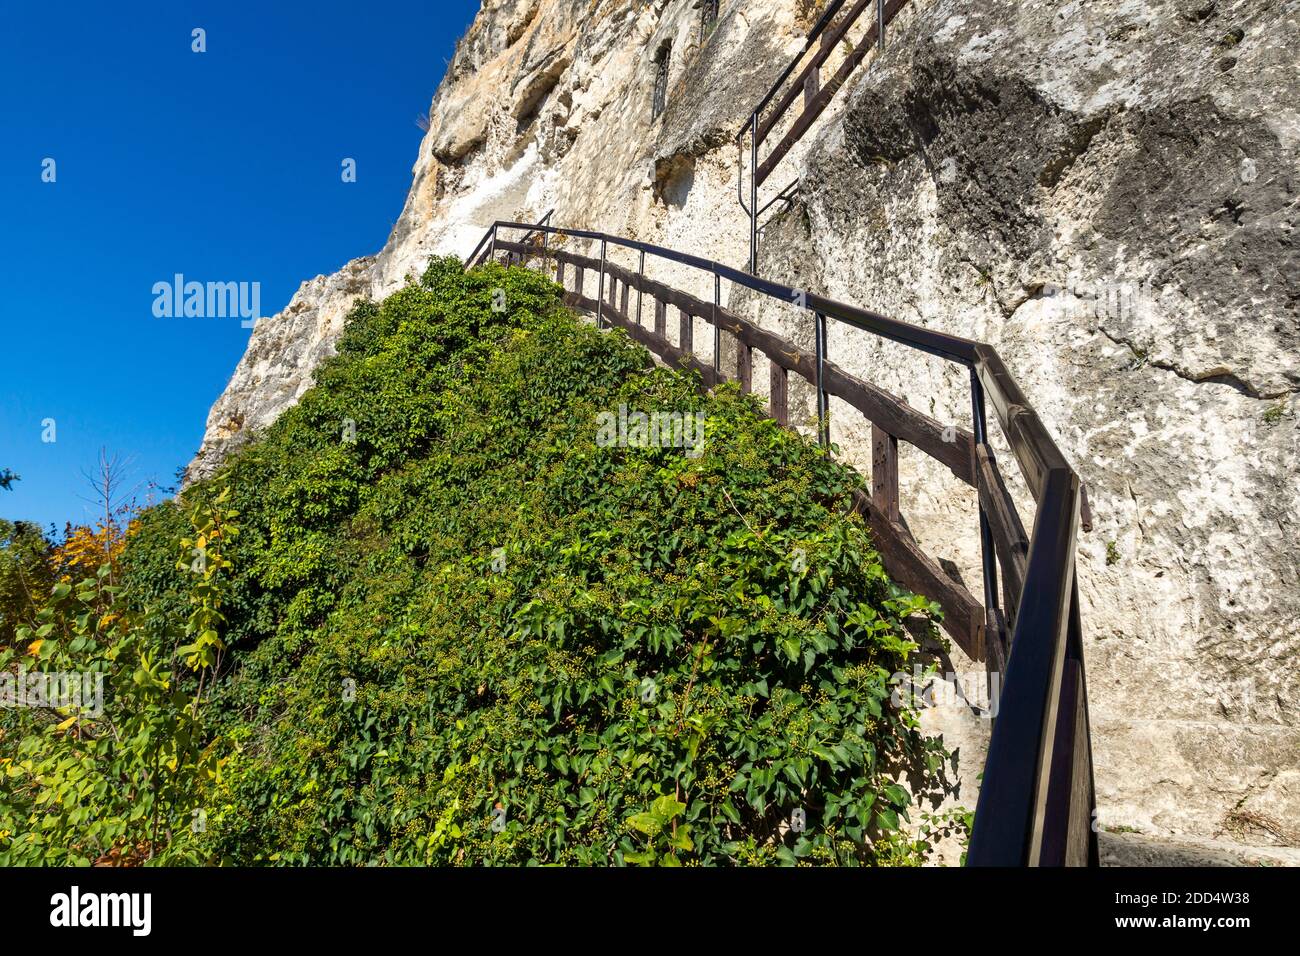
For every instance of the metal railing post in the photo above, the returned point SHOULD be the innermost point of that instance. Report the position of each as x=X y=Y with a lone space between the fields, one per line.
x=823 y=403
x=753 y=195
x=717 y=332
x=880 y=24
x=639 y=293
x=600 y=289
x=988 y=558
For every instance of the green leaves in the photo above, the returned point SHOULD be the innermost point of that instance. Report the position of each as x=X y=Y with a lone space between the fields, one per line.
x=474 y=636
x=667 y=839
x=112 y=769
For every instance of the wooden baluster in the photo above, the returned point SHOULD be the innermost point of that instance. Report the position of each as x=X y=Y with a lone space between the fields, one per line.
x=813 y=85
x=884 y=472
x=687 y=332
x=559 y=271
x=745 y=367
x=624 y=301
x=780 y=402
x=661 y=319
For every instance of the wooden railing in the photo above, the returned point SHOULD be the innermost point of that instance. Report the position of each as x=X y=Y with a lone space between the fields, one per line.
x=1036 y=800
x=831 y=29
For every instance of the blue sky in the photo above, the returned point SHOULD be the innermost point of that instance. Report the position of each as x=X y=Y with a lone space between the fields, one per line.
x=224 y=166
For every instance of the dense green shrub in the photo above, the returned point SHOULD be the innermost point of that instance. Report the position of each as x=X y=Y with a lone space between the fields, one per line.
x=458 y=630
x=25 y=574
x=107 y=754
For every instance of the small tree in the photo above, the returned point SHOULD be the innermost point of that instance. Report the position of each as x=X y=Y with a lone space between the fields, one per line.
x=117 y=778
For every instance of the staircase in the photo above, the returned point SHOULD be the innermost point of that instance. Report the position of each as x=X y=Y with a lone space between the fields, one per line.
x=1036 y=803
x=833 y=28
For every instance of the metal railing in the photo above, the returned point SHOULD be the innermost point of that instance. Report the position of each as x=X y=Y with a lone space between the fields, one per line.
x=827 y=33
x=482 y=254
x=1036 y=800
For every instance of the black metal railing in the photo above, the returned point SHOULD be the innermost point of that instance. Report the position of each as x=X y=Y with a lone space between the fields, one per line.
x=1036 y=800
x=482 y=254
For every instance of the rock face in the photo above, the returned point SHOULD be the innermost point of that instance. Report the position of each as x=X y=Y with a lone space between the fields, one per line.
x=546 y=104
x=1107 y=191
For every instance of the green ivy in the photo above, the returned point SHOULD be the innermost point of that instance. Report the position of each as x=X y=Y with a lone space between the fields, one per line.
x=455 y=630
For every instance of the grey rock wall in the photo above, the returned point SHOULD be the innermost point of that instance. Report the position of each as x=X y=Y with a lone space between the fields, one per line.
x=1108 y=193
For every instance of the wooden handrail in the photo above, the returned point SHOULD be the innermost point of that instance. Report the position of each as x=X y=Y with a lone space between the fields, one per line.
x=825 y=35
x=954 y=448
x=824 y=48
x=822 y=100
x=827 y=15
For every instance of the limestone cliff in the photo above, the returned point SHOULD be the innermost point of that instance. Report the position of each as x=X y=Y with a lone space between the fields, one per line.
x=1105 y=190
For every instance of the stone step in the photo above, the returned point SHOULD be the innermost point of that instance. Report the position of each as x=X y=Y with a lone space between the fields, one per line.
x=1139 y=849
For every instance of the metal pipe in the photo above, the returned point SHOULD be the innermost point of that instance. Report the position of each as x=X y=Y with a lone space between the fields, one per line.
x=988 y=558
x=785 y=196
x=823 y=403
x=600 y=289
x=880 y=24
x=717 y=332
x=753 y=196
x=740 y=174
x=814 y=34
x=1010 y=814
x=639 y=293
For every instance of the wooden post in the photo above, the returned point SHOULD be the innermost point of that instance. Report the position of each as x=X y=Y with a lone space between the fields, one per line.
x=577 y=286
x=779 y=403
x=559 y=271
x=661 y=319
x=623 y=305
x=813 y=85
x=884 y=472
x=686 y=337
x=745 y=367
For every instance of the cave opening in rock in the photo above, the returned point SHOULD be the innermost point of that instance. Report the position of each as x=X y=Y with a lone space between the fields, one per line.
x=660 y=100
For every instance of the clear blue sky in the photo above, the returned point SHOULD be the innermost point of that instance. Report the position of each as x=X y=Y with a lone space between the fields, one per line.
x=223 y=165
